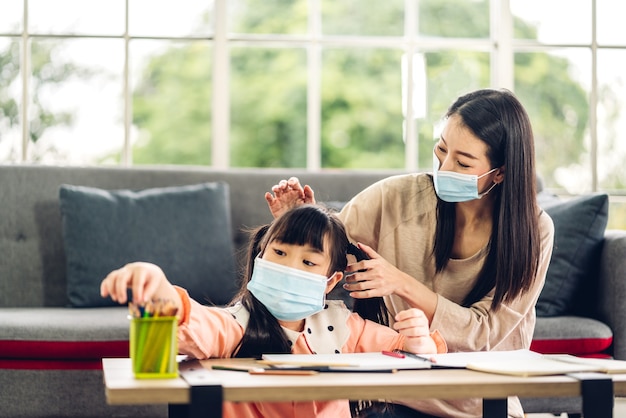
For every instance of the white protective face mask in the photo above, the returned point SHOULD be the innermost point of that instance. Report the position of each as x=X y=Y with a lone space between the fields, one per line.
x=289 y=294
x=457 y=187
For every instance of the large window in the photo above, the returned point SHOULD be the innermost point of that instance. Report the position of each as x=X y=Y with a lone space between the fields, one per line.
x=317 y=84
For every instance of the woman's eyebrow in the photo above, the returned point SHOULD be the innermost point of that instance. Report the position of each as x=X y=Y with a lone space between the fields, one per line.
x=465 y=154
x=468 y=155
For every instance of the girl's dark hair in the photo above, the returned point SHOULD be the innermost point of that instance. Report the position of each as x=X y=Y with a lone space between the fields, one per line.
x=499 y=119
x=374 y=308
x=305 y=224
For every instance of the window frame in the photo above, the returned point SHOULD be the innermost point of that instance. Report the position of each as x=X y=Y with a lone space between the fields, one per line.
x=500 y=45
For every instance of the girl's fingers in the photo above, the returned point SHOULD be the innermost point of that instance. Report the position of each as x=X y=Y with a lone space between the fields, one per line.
x=120 y=285
x=412 y=322
x=104 y=287
x=138 y=283
x=150 y=285
x=410 y=313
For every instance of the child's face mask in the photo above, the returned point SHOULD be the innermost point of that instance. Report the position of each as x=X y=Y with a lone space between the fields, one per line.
x=289 y=294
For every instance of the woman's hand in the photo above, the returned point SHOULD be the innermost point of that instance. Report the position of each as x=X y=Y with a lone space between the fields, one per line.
x=287 y=194
x=146 y=280
x=377 y=277
x=413 y=324
x=374 y=277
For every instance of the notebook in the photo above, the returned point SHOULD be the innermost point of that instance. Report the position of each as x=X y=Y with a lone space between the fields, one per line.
x=348 y=362
x=547 y=364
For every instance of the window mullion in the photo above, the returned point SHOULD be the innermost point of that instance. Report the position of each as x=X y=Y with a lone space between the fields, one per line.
x=127 y=152
x=314 y=86
x=26 y=59
x=502 y=68
x=220 y=136
x=409 y=131
x=593 y=100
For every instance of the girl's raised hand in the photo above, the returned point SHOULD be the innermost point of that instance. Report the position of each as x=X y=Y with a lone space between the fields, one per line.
x=287 y=194
x=413 y=324
x=147 y=281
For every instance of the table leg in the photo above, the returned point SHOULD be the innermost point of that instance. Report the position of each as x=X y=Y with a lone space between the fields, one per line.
x=597 y=397
x=206 y=401
x=495 y=408
x=596 y=390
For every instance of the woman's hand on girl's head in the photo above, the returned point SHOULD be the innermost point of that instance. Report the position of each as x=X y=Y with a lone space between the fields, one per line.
x=374 y=277
x=413 y=324
x=146 y=280
x=287 y=194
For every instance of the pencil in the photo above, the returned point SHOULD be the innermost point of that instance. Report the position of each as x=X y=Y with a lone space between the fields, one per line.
x=293 y=372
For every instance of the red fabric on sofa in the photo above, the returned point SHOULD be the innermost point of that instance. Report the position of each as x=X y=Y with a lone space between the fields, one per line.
x=596 y=347
x=59 y=355
x=17 y=364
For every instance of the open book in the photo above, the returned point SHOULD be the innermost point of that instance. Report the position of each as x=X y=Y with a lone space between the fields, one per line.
x=535 y=364
x=514 y=362
x=348 y=362
x=602 y=365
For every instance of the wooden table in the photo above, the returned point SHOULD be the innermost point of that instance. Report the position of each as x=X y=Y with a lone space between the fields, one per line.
x=199 y=391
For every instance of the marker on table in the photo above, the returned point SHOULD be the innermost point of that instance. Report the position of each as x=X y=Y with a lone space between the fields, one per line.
x=260 y=370
x=292 y=372
x=412 y=355
x=396 y=354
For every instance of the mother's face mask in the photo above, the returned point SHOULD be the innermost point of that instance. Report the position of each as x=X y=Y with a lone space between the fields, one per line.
x=457 y=187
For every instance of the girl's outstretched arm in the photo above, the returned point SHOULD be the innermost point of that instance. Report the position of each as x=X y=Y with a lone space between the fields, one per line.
x=147 y=282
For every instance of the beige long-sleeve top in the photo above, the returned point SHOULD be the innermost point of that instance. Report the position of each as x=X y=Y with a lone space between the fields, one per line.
x=397 y=217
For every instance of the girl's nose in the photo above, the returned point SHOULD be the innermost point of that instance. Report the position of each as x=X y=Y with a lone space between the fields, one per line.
x=292 y=262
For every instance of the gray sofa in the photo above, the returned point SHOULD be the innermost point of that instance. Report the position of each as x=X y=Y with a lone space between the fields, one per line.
x=34 y=304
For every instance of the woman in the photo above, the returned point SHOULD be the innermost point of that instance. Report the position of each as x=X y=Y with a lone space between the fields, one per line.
x=467 y=244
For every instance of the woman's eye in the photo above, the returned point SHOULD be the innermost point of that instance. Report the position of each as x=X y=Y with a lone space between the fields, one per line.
x=463 y=165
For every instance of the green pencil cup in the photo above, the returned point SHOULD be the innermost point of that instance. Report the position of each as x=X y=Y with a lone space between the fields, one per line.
x=153 y=347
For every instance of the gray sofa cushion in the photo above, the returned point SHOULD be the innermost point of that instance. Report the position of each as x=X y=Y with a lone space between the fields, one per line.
x=39 y=336
x=62 y=324
x=185 y=230
x=571 y=334
x=579 y=225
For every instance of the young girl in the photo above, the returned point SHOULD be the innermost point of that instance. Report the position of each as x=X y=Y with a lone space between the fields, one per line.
x=281 y=308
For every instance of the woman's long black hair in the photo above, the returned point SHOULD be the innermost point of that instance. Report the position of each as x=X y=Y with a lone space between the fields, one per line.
x=306 y=224
x=499 y=119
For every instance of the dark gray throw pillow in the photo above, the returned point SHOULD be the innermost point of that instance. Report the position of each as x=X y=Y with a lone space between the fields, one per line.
x=185 y=230
x=579 y=225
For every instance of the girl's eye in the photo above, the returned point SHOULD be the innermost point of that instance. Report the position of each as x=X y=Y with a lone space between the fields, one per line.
x=309 y=263
x=278 y=251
